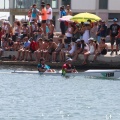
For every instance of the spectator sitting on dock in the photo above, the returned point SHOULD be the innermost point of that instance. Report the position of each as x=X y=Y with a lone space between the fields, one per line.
x=73 y=48
x=10 y=45
x=102 y=49
x=24 y=50
x=17 y=44
x=91 y=51
x=82 y=47
x=39 y=49
x=33 y=46
x=64 y=50
x=52 y=47
x=57 y=50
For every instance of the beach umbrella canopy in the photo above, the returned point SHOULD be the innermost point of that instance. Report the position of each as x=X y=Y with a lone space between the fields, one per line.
x=65 y=18
x=83 y=17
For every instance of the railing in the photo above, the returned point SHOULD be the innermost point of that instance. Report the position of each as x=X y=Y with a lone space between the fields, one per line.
x=25 y=4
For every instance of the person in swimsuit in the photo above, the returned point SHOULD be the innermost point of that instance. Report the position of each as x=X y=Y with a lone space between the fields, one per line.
x=51 y=48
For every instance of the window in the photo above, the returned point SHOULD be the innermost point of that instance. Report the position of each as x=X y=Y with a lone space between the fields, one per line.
x=103 y=4
x=111 y=16
x=53 y=3
x=27 y=3
x=66 y=2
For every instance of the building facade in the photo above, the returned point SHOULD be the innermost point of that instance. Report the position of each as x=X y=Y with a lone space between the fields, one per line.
x=106 y=9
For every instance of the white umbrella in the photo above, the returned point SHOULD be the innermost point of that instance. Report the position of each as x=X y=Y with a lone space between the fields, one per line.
x=66 y=18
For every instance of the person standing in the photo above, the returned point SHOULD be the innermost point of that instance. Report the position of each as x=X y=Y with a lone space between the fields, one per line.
x=103 y=30
x=44 y=17
x=98 y=31
x=62 y=24
x=51 y=30
x=93 y=31
x=49 y=13
x=35 y=13
x=86 y=33
x=69 y=32
x=68 y=10
x=114 y=28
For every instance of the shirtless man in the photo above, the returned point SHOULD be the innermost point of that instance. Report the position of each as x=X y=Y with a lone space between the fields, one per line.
x=102 y=49
x=51 y=30
x=51 y=48
x=38 y=52
x=17 y=44
x=68 y=10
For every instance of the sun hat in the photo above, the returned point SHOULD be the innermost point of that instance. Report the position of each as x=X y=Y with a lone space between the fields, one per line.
x=78 y=40
x=91 y=39
x=68 y=59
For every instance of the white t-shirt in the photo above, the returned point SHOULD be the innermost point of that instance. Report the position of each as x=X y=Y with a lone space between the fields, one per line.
x=49 y=16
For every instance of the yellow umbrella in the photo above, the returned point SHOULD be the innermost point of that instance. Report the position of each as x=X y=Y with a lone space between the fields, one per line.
x=83 y=17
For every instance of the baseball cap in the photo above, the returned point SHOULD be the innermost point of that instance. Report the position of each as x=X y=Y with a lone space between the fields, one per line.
x=115 y=20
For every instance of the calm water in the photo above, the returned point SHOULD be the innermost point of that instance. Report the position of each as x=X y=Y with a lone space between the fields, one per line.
x=34 y=97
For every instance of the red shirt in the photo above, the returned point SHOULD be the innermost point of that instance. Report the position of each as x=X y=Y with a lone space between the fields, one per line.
x=33 y=45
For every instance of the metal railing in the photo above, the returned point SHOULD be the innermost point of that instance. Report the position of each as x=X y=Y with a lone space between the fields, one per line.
x=25 y=4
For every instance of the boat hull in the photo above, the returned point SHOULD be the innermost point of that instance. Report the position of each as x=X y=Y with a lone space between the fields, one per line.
x=115 y=74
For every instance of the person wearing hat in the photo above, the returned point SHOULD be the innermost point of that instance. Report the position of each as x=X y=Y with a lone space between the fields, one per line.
x=91 y=51
x=114 y=28
x=68 y=67
x=81 y=48
x=42 y=67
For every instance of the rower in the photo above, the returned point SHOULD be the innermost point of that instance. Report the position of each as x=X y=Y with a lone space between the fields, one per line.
x=42 y=67
x=68 y=67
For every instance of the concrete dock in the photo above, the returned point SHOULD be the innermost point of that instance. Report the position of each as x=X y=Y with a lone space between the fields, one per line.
x=102 y=62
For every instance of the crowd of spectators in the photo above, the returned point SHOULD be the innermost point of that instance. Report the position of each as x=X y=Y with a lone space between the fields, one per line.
x=29 y=38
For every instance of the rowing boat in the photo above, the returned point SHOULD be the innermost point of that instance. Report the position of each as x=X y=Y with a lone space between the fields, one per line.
x=115 y=74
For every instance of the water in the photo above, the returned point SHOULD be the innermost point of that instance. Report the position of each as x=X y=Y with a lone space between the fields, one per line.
x=35 y=97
